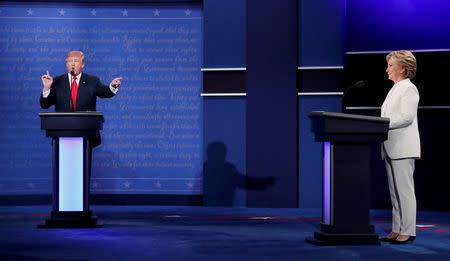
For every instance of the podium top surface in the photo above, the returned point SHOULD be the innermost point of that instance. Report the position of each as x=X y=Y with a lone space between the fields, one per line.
x=71 y=114
x=350 y=128
x=71 y=124
x=347 y=116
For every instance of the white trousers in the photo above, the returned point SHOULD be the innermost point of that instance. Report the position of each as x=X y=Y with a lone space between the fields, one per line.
x=401 y=187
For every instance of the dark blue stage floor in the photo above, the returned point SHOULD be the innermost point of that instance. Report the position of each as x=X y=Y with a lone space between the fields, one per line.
x=205 y=233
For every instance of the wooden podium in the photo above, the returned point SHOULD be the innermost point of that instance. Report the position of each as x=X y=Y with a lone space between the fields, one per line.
x=72 y=134
x=346 y=176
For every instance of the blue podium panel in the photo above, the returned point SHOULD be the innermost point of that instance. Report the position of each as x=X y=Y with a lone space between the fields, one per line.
x=70 y=174
x=326 y=219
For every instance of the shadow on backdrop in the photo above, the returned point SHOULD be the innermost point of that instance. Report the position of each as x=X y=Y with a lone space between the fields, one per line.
x=221 y=178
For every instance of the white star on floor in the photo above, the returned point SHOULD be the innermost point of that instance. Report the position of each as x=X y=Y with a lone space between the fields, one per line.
x=127 y=184
x=93 y=12
x=189 y=185
x=30 y=185
x=157 y=184
x=61 y=12
x=125 y=12
x=261 y=218
x=188 y=12
x=29 y=12
x=156 y=12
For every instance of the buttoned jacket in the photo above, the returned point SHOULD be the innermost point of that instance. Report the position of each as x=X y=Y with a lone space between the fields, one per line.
x=400 y=106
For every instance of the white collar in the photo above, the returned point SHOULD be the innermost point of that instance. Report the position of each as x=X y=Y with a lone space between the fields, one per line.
x=78 y=76
x=403 y=82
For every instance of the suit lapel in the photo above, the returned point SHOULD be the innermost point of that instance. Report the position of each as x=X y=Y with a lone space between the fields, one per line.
x=82 y=89
x=83 y=80
x=386 y=102
x=396 y=90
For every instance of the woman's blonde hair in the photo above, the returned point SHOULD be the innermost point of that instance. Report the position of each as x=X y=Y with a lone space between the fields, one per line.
x=406 y=60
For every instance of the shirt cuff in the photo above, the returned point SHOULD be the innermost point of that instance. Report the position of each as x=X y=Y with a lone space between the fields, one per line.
x=45 y=93
x=114 y=90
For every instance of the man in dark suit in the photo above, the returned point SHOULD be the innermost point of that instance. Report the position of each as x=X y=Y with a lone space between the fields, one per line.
x=75 y=91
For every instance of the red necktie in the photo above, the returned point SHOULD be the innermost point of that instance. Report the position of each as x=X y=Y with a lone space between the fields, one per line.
x=74 y=92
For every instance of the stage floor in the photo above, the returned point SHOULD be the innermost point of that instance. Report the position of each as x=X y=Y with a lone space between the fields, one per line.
x=205 y=233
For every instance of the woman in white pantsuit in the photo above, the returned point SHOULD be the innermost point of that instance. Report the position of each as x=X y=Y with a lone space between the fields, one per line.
x=402 y=147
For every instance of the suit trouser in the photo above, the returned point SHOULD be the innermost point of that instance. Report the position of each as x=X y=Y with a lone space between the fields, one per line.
x=401 y=187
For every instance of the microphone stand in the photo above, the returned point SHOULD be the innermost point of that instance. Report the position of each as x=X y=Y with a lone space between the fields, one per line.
x=357 y=85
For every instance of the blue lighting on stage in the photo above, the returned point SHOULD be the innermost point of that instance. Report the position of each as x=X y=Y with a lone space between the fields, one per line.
x=70 y=174
x=397 y=24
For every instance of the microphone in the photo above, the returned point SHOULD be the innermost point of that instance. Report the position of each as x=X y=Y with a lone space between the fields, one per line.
x=356 y=85
x=72 y=72
x=359 y=84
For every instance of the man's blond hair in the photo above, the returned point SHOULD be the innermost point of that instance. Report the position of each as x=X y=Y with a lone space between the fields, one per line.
x=75 y=53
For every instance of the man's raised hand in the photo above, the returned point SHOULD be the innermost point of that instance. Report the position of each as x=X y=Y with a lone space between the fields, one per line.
x=47 y=81
x=116 y=82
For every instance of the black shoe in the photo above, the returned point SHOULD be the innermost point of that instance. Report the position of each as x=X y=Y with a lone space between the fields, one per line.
x=386 y=239
x=396 y=242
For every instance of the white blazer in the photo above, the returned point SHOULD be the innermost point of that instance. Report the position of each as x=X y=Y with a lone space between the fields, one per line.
x=400 y=106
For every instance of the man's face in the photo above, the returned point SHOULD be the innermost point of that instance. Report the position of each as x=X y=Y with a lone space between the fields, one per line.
x=74 y=63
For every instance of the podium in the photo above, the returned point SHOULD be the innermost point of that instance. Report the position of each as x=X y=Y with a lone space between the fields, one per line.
x=346 y=142
x=72 y=134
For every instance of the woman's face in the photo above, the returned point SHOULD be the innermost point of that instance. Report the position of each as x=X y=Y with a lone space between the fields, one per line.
x=395 y=71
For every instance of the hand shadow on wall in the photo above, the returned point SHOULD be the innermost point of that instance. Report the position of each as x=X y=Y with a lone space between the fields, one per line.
x=221 y=178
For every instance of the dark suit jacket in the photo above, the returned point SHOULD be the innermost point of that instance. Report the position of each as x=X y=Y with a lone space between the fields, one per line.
x=89 y=89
